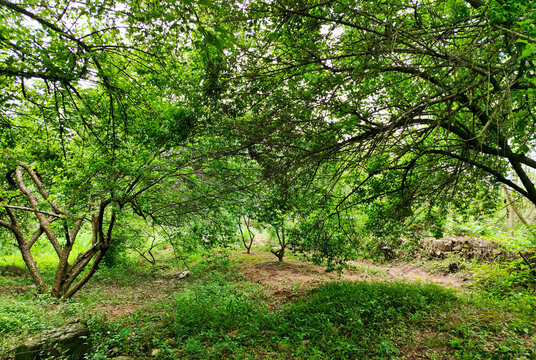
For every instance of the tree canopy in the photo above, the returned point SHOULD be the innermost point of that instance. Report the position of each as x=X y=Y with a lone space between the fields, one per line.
x=435 y=93
x=314 y=107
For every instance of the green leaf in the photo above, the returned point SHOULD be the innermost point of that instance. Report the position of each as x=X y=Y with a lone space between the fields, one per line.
x=527 y=51
x=524 y=148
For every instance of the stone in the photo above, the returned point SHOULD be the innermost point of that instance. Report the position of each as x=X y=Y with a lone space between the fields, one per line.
x=442 y=244
x=453 y=267
x=184 y=274
x=71 y=339
x=464 y=246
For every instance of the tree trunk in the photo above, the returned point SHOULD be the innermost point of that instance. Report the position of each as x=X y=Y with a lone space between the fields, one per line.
x=66 y=274
x=282 y=243
x=100 y=254
x=25 y=248
x=62 y=271
x=98 y=250
x=251 y=234
x=32 y=268
x=246 y=244
x=515 y=211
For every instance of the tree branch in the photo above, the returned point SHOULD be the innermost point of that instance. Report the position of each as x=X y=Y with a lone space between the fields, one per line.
x=16 y=207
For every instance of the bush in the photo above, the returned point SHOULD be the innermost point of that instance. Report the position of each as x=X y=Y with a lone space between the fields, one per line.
x=506 y=278
x=116 y=254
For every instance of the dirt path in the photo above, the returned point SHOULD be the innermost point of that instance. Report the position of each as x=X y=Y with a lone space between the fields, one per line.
x=283 y=280
x=415 y=273
x=291 y=278
x=294 y=273
x=119 y=301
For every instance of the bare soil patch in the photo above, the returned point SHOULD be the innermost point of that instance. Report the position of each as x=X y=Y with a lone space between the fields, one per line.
x=118 y=301
x=416 y=273
x=283 y=280
x=288 y=279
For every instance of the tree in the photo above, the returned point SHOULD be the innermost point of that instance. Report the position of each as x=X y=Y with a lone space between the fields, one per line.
x=90 y=123
x=416 y=101
x=247 y=238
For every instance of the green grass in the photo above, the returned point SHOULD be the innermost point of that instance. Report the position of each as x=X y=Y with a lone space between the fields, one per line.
x=221 y=318
x=217 y=313
x=217 y=318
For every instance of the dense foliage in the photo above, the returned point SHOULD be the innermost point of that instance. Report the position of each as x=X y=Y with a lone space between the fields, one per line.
x=324 y=121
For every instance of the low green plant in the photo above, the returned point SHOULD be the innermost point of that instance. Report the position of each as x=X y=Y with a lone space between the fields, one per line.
x=358 y=319
x=218 y=318
x=216 y=305
x=505 y=278
x=112 y=339
x=17 y=317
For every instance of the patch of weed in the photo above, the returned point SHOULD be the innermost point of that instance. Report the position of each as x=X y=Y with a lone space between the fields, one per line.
x=29 y=315
x=217 y=318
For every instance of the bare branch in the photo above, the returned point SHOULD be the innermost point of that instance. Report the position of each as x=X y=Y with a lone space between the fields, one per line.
x=16 y=207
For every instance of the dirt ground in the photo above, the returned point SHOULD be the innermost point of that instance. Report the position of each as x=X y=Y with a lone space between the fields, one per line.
x=413 y=272
x=121 y=301
x=283 y=280
x=287 y=279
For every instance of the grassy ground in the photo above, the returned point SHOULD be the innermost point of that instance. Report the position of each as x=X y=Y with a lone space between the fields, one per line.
x=252 y=307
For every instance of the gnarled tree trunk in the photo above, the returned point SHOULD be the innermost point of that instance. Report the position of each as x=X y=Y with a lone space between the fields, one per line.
x=63 y=285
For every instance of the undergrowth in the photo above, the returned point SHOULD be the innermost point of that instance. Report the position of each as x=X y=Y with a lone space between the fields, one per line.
x=217 y=318
x=217 y=313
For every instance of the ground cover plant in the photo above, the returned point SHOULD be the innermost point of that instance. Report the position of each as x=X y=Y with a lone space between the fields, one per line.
x=221 y=312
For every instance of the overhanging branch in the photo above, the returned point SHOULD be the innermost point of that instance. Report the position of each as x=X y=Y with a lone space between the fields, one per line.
x=16 y=207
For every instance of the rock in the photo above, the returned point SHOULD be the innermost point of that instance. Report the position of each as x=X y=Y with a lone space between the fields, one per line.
x=465 y=246
x=442 y=244
x=388 y=252
x=71 y=339
x=12 y=270
x=453 y=267
x=184 y=274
